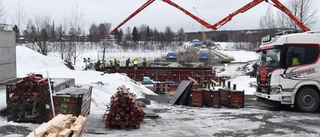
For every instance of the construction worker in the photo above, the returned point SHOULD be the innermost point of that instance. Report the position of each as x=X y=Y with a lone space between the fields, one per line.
x=111 y=64
x=105 y=64
x=144 y=63
x=98 y=65
x=127 y=63
x=117 y=64
x=295 y=61
x=135 y=64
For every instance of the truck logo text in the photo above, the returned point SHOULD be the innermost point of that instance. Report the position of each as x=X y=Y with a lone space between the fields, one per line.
x=299 y=73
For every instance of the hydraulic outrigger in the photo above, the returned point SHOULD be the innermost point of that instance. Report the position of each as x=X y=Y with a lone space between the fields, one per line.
x=275 y=3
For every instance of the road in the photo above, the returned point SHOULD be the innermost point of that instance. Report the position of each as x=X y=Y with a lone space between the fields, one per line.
x=255 y=119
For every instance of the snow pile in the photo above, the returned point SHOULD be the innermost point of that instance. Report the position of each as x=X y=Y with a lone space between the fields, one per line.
x=104 y=85
x=29 y=60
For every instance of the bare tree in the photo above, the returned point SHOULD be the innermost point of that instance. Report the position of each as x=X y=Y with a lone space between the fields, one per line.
x=37 y=32
x=108 y=27
x=267 y=21
x=19 y=16
x=128 y=34
x=76 y=23
x=76 y=20
x=61 y=47
x=2 y=10
x=143 y=32
x=168 y=33
x=93 y=33
x=181 y=35
x=305 y=11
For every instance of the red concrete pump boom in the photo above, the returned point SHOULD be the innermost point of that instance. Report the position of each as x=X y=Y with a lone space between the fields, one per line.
x=202 y=22
x=276 y=3
x=241 y=10
x=284 y=9
x=131 y=16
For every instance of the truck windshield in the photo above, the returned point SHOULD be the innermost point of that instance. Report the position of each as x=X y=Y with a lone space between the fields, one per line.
x=270 y=58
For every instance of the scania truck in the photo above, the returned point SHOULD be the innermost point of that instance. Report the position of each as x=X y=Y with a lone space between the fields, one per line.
x=289 y=71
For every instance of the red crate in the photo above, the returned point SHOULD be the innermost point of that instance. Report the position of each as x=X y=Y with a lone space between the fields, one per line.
x=232 y=98
x=212 y=98
x=196 y=86
x=161 y=87
x=76 y=101
x=173 y=87
x=196 y=97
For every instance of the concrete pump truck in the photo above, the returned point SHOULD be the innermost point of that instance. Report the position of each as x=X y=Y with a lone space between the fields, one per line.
x=289 y=71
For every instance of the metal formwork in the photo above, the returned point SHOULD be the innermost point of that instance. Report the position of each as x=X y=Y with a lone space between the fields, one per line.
x=163 y=74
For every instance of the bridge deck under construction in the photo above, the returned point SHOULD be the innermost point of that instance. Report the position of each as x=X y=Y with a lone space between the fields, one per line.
x=163 y=74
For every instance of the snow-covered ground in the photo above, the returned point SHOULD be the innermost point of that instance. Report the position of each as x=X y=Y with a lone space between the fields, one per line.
x=29 y=61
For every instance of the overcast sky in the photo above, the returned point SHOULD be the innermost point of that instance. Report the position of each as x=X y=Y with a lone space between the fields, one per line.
x=158 y=15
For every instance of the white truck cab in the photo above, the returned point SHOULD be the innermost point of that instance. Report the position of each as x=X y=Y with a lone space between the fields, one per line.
x=289 y=71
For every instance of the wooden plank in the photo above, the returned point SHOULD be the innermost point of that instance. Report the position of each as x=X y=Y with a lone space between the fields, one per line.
x=53 y=130
x=52 y=135
x=63 y=127
x=31 y=135
x=42 y=129
x=195 y=82
x=57 y=119
x=214 y=82
x=65 y=133
x=79 y=120
x=68 y=124
x=76 y=128
x=67 y=117
x=84 y=121
x=74 y=118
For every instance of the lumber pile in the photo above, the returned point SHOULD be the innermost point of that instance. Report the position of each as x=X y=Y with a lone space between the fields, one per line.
x=124 y=110
x=61 y=126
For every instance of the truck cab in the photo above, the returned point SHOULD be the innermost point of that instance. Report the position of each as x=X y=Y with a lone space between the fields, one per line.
x=289 y=70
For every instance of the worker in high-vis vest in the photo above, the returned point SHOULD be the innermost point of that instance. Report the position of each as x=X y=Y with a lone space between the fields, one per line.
x=135 y=64
x=117 y=64
x=144 y=63
x=295 y=61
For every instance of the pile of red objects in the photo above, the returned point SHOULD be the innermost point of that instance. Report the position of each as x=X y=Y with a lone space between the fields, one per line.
x=27 y=98
x=124 y=110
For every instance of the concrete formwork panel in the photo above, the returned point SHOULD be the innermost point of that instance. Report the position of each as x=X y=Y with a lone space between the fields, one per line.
x=8 y=65
x=7 y=71
x=7 y=55
x=7 y=39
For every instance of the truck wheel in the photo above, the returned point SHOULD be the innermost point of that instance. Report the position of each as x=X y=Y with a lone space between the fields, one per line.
x=307 y=100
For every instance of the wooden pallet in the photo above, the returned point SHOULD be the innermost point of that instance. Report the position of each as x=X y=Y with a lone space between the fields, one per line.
x=61 y=126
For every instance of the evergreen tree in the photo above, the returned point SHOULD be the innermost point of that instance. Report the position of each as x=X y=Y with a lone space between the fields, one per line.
x=17 y=31
x=134 y=35
x=148 y=33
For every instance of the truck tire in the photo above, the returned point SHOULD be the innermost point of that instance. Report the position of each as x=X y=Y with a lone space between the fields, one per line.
x=307 y=100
